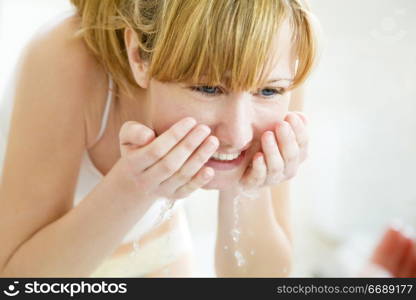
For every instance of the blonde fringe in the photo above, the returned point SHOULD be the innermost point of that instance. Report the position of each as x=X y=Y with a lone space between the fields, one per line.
x=185 y=40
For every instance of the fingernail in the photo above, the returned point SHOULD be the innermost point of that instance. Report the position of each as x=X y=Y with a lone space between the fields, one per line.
x=189 y=123
x=207 y=173
x=212 y=143
x=204 y=129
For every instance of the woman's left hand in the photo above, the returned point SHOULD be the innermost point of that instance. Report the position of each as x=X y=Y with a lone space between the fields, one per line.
x=284 y=150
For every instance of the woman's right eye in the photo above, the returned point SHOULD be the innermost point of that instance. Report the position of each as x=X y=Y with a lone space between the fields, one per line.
x=207 y=90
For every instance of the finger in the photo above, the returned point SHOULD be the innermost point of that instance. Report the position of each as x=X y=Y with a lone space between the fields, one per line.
x=257 y=174
x=192 y=166
x=174 y=160
x=162 y=144
x=288 y=148
x=199 y=180
x=301 y=135
x=303 y=117
x=274 y=161
x=134 y=135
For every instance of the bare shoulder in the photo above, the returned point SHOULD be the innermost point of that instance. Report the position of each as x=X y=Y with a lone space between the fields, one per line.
x=55 y=77
x=71 y=69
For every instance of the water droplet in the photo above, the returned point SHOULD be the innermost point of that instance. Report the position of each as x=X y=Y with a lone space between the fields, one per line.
x=252 y=252
x=235 y=234
x=225 y=247
x=136 y=248
x=240 y=258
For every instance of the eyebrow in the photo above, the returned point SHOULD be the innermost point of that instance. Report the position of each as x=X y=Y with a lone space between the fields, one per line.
x=280 y=79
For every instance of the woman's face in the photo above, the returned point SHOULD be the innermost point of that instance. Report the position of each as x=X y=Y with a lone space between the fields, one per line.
x=237 y=119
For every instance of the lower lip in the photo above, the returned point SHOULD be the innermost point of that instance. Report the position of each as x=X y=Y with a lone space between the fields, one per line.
x=222 y=165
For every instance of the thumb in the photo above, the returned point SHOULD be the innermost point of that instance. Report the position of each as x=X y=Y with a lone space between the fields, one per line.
x=134 y=135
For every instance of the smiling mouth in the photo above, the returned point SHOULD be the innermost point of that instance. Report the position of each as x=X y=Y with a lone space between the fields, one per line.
x=223 y=165
x=225 y=156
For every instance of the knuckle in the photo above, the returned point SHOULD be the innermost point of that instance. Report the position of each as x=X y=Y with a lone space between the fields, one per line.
x=128 y=165
x=202 y=157
x=183 y=175
x=189 y=144
x=156 y=153
x=177 y=133
x=168 y=166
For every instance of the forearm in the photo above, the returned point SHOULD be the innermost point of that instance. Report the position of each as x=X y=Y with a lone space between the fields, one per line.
x=77 y=243
x=261 y=249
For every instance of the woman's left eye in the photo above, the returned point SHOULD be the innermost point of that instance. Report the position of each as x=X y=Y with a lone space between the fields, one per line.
x=269 y=92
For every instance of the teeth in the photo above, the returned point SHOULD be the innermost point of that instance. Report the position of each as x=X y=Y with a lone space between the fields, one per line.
x=221 y=156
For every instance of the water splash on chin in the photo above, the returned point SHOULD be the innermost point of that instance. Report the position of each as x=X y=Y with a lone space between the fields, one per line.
x=235 y=231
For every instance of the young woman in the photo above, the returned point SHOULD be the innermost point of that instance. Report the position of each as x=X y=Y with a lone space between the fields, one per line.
x=130 y=101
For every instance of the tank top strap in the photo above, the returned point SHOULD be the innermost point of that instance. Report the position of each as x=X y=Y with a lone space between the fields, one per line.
x=104 y=119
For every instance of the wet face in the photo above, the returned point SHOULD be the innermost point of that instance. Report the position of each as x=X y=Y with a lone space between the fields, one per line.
x=237 y=119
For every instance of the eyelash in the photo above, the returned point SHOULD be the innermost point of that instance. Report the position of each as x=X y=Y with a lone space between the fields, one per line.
x=280 y=91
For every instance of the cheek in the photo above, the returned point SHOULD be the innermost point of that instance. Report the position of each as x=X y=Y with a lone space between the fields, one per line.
x=166 y=111
x=266 y=118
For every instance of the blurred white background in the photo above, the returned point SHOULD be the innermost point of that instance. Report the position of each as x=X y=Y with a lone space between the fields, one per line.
x=361 y=100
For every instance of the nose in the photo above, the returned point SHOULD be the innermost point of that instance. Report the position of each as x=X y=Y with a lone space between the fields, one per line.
x=234 y=129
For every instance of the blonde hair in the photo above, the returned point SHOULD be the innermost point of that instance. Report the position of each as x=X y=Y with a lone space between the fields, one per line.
x=184 y=39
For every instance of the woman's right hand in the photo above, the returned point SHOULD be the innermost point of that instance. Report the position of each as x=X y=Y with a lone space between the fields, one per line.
x=171 y=165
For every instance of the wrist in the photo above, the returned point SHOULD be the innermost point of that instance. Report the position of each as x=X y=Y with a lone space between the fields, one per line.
x=126 y=188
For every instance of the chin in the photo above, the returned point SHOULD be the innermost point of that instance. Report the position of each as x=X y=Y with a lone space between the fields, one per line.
x=224 y=180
